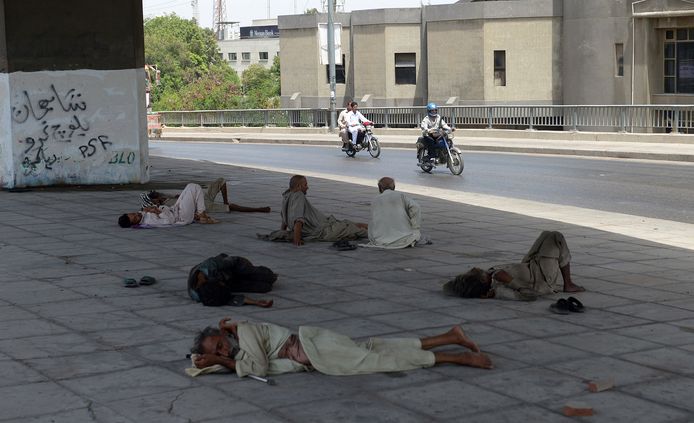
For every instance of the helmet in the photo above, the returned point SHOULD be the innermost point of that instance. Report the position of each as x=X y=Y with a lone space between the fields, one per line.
x=432 y=109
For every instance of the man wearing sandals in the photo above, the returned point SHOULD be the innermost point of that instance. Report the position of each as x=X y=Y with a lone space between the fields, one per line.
x=260 y=349
x=536 y=275
x=189 y=207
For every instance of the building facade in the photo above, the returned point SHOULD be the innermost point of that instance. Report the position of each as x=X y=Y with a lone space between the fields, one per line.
x=498 y=52
x=248 y=45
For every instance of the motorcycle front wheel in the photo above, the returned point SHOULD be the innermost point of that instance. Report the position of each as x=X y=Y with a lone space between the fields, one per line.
x=374 y=147
x=455 y=163
x=425 y=166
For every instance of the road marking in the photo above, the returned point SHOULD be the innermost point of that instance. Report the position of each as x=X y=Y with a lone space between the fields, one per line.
x=668 y=232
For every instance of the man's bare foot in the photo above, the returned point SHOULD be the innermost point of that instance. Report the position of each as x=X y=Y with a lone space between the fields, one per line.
x=258 y=303
x=462 y=339
x=571 y=287
x=478 y=360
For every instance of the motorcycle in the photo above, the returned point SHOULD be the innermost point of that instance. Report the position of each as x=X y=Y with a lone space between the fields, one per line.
x=444 y=153
x=365 y=141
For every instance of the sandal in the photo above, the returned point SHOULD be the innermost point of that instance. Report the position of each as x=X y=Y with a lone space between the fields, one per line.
x=560 y=307
x=130 y=283
x=147 y=280
x=575 y=305
x=345 y=245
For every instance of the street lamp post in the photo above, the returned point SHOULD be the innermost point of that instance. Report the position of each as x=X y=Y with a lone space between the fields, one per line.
x=331 y=62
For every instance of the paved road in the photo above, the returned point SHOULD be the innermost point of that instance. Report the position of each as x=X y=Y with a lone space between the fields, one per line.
x=652 y=189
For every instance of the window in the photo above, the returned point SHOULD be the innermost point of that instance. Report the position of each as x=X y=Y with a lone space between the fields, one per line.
x=232 y=57
x=339 y=72
x=619 y=59
x=406 y=68
x=678 y=61
x=262 y=56
x=246 y=56
x=500 y=68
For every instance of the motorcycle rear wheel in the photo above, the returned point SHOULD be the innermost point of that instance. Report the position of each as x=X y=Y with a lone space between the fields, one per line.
x=455 y=163
x=351 y=152
x=374 y=147
x=425 y=166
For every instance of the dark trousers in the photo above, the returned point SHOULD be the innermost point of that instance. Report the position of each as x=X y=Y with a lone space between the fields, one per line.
x=430 y=145
x=240 y=275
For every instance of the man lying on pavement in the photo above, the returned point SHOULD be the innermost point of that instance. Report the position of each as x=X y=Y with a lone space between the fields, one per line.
x=262 y=348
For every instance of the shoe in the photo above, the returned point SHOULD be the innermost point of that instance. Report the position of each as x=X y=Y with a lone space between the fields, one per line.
x=130 y=283
x=147 y=280
x=560 y=307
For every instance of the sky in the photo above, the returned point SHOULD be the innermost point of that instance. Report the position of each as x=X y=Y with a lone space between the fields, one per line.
x=245 y=11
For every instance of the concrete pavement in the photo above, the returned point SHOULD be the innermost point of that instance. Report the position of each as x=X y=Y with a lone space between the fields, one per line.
x=670 y=147
x=77 y=346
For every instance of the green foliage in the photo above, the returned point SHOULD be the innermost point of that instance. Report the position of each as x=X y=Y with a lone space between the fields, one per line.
x=194 y=77
x=311 y=11
x=261 y=86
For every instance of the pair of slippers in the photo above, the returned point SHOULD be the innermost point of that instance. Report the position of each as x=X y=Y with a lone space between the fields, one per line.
x=144 y=281
x=345 y=245
x=567 y=306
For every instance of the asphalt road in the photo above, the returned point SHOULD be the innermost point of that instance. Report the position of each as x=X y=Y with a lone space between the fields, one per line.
x=652 y=189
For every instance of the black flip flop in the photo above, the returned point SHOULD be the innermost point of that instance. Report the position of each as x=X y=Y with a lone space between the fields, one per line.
x=575 y=305
x=345 y=245
x=560 y=307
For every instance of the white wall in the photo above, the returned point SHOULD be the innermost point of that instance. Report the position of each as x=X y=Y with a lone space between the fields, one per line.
x=5 y=132
x=77 y=127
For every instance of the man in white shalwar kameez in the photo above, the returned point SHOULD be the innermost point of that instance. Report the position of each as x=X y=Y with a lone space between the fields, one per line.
x=189 y=206
x=261 y=349
x=395 y=218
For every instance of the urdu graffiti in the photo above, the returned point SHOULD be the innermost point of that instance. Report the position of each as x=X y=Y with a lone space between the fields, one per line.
x=60 y=128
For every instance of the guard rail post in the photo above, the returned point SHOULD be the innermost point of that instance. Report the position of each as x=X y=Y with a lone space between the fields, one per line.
x=489 y=117
x=531 y=118
x=676 y=120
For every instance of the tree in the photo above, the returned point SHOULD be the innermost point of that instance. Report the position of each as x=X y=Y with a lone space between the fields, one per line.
x=193 y=75
x=260 y=87
x=311 y=11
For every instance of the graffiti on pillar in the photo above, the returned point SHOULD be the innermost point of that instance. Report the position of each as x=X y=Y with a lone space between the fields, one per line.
x=62 y=131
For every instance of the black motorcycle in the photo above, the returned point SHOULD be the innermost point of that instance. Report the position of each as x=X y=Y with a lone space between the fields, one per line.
x=444 y=153
x=365 y=141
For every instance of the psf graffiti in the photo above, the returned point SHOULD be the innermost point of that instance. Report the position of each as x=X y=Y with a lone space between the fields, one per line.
x=61 y=131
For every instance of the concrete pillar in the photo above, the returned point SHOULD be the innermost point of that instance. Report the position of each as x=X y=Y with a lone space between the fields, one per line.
x=72 y=93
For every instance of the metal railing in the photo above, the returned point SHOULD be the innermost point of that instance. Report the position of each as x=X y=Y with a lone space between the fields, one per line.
x=625 y=118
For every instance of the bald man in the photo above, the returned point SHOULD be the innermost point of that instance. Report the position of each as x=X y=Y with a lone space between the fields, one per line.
x=303 y=222
x=395 y=218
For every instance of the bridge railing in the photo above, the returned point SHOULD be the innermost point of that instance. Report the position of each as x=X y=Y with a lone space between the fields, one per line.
x=625 y=118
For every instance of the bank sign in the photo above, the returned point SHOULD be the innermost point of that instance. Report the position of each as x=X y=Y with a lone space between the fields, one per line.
x=268 y=31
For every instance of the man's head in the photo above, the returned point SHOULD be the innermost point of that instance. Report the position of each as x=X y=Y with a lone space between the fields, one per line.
x=214 y=293
x=298 y=183
x=128 y=219
x=432 y=109
x=348 y=105
x=386 y=183
x=475 y=283
x=354 y=105
x=212 y=341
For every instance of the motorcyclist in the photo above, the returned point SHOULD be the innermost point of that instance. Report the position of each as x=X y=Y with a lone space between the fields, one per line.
x=343 y=123
x=431 y=124
x=354 y=122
